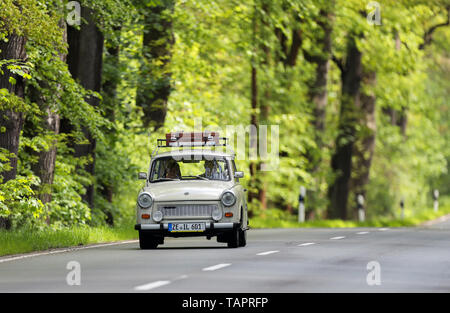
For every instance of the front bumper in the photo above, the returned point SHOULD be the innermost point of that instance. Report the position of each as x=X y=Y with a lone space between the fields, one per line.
x=212 y=229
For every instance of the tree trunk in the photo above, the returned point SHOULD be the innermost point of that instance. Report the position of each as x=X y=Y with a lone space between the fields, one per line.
x=318 y=90
x=318 y=95
x=155 y=85
x=11 y=120
x=111 y=82
x=365 y=145
x=85 y=65
x=254 y=107
x=109 y=92
x=297 y=40
x=45 y=167
x=396 y=117
x=264 y=102
x=253 y=121
x=341 y=161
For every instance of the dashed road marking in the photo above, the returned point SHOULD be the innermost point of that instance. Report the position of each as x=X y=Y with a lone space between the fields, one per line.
x=181 y=277
x=362 y=233
x=152 y=285
x=216 y=267
x=383 y=229
x=268 y=252
x=306 y=244
x=337 y=238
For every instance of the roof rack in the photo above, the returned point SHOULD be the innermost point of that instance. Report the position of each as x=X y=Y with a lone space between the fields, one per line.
x=190 y=139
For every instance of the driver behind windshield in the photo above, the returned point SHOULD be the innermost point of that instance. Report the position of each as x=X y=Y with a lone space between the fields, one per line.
x=212 y=170
x=172 y=170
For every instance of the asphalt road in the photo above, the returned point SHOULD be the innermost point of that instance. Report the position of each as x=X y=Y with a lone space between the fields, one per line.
x=276 y=260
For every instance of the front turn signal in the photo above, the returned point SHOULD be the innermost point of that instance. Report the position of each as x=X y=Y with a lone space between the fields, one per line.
x=145 y=216
x=228 y=214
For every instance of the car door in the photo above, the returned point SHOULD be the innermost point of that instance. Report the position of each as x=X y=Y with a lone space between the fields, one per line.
x=241 y=195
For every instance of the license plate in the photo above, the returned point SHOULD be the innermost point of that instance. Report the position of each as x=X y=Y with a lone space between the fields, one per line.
x=187 y=227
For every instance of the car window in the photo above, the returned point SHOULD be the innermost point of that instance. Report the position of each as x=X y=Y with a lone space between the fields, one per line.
x=206 y=168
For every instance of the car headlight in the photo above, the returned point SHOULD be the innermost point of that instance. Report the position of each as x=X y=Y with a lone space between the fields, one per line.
x=216 y=214
x=157 y=216
x=145 y=200
x=228 y=198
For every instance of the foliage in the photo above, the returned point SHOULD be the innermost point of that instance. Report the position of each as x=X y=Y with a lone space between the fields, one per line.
x=66 y=207
x=32 y=19
x=18 y=202
x=27 y=240
x=275 y=218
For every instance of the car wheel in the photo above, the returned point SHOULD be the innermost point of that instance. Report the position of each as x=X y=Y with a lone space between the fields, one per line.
x=147 y=241
x=242 y=238
x=234 y=240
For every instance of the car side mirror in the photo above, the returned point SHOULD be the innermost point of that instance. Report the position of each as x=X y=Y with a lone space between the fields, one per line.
x=142 y=175
x=238 y=174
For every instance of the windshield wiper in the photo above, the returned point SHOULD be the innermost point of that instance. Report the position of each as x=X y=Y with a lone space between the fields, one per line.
x=196 y=176
x=164 y=179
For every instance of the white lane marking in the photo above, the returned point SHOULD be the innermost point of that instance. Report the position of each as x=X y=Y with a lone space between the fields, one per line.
x=337 y=238
x=71 y=249
x=152 y=285
x=216 y=267
x=306 y=244
x=181 y=277
x=383 y=229
x=362 y=233
x=268 y=252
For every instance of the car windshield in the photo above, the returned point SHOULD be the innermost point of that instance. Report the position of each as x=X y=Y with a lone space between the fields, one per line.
x=195 y=168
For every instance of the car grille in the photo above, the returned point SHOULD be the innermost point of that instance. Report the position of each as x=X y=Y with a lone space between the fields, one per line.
x=187 y=210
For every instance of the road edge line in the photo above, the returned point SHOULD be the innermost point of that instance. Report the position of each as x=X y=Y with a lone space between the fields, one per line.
x=16 y=257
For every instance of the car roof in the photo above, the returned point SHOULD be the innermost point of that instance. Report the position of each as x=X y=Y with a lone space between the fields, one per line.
x=194 y=152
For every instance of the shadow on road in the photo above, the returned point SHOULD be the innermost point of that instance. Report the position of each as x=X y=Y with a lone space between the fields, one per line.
x=177 y=248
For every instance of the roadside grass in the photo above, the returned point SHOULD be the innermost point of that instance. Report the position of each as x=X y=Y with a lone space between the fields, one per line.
x=25 y=240
x=274 y=218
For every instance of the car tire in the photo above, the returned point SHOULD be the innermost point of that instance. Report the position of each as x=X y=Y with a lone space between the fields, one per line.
x=147 y=241
x=242 y=232
x=242 y=238
x=234 y=240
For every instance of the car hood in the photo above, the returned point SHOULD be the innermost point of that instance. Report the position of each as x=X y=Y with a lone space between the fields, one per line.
x=187 y=190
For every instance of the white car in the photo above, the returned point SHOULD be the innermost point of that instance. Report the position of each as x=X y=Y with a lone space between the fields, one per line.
x=192 y=192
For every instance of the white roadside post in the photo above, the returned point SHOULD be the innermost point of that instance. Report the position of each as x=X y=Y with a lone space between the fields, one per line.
x=361 y=212
x=436 y=198
x=301 y=205
x=402 y=206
